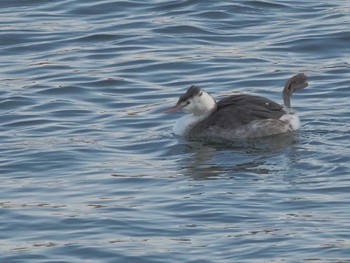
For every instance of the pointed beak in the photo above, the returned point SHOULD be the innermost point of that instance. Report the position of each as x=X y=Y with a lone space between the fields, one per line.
x=174 y=109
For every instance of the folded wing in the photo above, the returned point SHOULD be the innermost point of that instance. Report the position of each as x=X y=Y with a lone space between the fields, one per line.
x=239 y=110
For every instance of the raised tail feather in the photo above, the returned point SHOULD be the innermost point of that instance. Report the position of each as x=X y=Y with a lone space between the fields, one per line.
x=295 y=83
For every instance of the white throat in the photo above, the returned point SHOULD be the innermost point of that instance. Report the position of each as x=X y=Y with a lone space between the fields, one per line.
x=200 y=108
x=203 y=105
x=185 y=123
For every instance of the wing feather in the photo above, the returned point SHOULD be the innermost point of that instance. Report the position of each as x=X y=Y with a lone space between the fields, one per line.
x=238 y=110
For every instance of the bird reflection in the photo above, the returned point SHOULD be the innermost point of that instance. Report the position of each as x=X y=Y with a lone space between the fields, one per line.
x=209 y=160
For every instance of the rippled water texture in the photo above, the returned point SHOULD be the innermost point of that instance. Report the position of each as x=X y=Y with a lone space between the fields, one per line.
x=91 y=172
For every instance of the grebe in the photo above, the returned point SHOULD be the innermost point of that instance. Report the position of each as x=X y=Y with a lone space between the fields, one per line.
x=237 y=116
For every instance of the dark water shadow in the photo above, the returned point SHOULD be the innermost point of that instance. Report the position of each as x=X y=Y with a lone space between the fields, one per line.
x=215 y=159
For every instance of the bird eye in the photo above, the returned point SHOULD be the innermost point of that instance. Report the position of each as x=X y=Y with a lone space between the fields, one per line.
x=188 y=102
x=200 y=94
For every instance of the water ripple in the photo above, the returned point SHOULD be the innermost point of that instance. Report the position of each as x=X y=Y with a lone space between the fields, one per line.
x=91 y=169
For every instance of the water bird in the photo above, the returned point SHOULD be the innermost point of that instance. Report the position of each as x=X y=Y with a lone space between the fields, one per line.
x=237 y=116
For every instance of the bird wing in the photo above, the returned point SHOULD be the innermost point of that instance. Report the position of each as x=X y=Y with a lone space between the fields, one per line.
x=238 y=110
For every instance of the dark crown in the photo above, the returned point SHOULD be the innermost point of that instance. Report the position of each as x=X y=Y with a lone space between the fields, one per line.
x=190 y=93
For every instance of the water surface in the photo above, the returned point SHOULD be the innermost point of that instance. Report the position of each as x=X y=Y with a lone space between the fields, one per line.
x=91 y=171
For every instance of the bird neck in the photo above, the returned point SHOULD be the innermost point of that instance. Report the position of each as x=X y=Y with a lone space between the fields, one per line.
x=184 y=124
x=206 y=105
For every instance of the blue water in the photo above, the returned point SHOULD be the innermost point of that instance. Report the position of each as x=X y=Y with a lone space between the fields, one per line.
x=91 y=172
